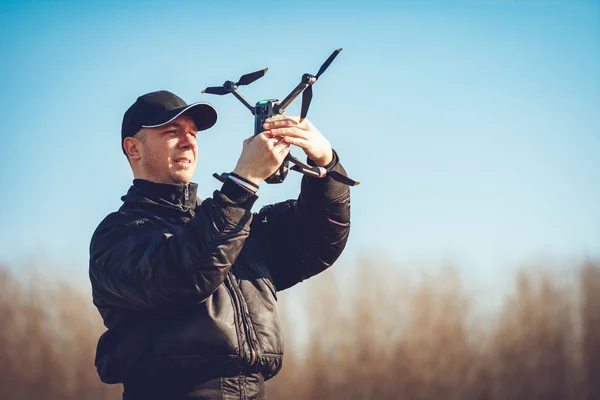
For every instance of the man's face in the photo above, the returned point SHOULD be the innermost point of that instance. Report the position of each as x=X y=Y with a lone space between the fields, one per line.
x=168 y=153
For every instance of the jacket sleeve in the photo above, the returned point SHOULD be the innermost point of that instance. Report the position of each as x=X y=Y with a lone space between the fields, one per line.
x=136 y=264
x=301 y=238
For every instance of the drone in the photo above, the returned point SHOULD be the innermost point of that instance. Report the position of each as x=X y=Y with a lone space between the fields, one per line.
x=267 y=108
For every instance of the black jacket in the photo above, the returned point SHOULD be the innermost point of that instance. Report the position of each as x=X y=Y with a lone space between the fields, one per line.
x=189 y=287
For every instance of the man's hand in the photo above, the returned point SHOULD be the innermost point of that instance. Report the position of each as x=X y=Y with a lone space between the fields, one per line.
x=304 y=135
x=261 y=156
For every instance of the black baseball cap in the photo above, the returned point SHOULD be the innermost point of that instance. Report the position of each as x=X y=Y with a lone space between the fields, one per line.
x=155 y=109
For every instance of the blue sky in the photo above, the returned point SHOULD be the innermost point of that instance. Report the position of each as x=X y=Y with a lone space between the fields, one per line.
x=473 y=126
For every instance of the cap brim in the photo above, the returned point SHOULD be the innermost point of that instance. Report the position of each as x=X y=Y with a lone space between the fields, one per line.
x=203 y=114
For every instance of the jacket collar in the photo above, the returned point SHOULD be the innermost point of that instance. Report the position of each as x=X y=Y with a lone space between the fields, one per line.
x=180 y=196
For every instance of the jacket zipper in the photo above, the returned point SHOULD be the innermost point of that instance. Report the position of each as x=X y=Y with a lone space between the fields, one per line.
x=245 y=323
x=187 y=192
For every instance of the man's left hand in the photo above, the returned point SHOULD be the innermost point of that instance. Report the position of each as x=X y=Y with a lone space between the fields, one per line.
x=302 y=134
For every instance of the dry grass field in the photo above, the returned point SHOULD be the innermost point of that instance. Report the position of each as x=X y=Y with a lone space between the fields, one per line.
x=385 y=341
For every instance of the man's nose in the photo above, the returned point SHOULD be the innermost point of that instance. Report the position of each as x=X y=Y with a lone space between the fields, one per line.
x=187 y=141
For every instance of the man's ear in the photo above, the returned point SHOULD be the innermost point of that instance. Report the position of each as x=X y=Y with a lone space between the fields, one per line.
x=132 y=147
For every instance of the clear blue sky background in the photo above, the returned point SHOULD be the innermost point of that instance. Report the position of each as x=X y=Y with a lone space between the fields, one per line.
x=474 y=127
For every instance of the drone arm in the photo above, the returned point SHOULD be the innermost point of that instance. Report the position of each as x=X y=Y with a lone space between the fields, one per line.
x=306 y=169
x=245 y=102
x=321 y=172
x=279 y=108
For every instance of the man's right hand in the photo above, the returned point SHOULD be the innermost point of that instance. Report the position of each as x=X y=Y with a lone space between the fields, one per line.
x=261 y=156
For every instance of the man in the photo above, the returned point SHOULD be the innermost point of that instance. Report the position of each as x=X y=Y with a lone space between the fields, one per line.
x=187 y=289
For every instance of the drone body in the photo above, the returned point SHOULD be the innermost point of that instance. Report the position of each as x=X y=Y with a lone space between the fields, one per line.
x=267 y=108
x=262 y=111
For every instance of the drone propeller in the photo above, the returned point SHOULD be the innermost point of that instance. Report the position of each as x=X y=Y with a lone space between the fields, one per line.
x=251 y=77
x=220 y=90
x=306 y=98
x=328 y=62
x=310 y=80
x=229 y=86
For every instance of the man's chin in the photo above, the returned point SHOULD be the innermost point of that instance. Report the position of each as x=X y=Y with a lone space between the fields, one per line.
x=181 y=177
